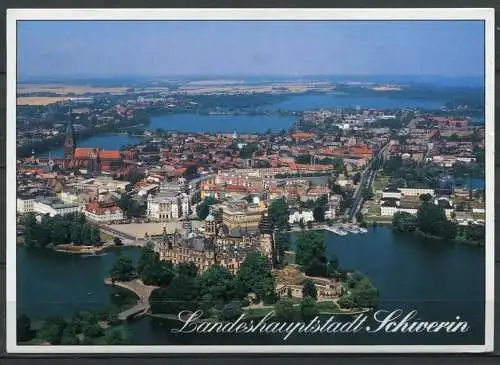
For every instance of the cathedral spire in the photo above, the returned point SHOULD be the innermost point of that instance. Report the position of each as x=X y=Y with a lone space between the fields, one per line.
x=69 y=141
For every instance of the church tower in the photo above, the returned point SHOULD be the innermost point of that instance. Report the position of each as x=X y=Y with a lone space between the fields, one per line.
x=69 y=141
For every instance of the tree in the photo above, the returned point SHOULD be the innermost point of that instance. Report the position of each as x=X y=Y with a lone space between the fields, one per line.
x=310 y=253
x=24 y=332
x=404 y=222
x=255 y=274
x=187 y=268
x=115 y=337
x=52 y=330
x=203 y=209
x=122 y=270
x=279 y=214
x=285 y=310
x=159 y=273
x=425 y=197
x=367 y=194
x=431 y=220
x=92 y=330
x=221 y=285
x=181 y=294
x=231 y=311
x=309 y=290
x=308 y=308
x=148 y=257
x=364 y=294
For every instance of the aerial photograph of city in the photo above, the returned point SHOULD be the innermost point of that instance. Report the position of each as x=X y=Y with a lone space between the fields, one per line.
x=211 y=182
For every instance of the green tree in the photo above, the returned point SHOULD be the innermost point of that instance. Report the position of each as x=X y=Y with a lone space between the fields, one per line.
x=92 y=330
x=116 y=336
x=308 y=308
x=279 y=214
x=255 y=274
x=231 y=311
x=122 y=270
x=425 y=197
x=309 y=290
x=367 y=194
x=148 y=257
x=221 y=285
x=364 y=294
x=52 y=330
x=431 y=219
x=284 y=310
x=404 y=222
x=159 y=273
x=181 y=294
x=187 y=269
x=310 y=253
x=203 y=209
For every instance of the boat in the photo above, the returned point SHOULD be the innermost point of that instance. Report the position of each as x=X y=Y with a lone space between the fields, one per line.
x=362 y=230
x=338 y=231
x=352 y=229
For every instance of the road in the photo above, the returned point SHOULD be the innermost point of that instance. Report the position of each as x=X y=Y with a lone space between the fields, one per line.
x=365 y=182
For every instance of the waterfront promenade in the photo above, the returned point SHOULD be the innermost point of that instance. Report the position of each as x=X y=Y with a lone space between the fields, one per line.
x=143 y=293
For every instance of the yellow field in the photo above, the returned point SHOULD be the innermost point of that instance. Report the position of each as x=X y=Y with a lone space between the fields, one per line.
x=39 y=100
x=65 y=89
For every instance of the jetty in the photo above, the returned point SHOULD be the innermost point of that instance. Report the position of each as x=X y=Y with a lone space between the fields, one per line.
x=142 y=291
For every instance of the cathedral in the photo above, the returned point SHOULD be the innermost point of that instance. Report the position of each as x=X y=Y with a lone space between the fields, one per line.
x=94 y=160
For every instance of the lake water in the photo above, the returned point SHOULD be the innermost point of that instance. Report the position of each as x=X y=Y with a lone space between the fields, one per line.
x=250 y=124
x=221 y=123
x=317 y=101
x=441 y=280
x=105 y=141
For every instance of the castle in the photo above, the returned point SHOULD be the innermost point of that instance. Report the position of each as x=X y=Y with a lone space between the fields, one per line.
x=218 y=246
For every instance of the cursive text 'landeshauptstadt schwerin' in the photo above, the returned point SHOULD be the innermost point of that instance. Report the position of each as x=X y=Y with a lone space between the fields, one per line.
x=383 y=321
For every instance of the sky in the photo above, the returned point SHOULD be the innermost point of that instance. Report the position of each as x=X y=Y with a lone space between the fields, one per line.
x=280 y=48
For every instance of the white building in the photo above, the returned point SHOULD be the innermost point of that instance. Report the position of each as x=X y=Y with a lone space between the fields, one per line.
x=168 y=204
x=54 y=207
x=103 y=213
x=69 y=197
x=415 y=192
x=25 y=205
x=391 y=193
x=304 y=216
x=389 y=211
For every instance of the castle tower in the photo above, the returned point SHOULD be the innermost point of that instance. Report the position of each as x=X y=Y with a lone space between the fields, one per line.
x=266 y=239
x=69 y=141
x=166 y=242
x=210 y=226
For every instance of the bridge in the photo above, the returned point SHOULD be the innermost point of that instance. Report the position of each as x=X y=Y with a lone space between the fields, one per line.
x=140 y=289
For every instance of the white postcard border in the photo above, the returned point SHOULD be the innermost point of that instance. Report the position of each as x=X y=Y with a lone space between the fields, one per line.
x=13 y=15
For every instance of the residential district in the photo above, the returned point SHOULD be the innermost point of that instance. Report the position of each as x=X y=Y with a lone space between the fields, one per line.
x=213 y=199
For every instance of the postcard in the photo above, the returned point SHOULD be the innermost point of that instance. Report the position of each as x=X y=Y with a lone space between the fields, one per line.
x=250 y=180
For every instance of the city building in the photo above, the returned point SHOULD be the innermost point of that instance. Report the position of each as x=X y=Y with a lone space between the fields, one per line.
x=101 y=212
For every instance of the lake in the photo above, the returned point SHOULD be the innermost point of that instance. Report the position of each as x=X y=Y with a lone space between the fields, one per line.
x=104 y=141
x=324 y=101
x=221 y=123
x=440 y=279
